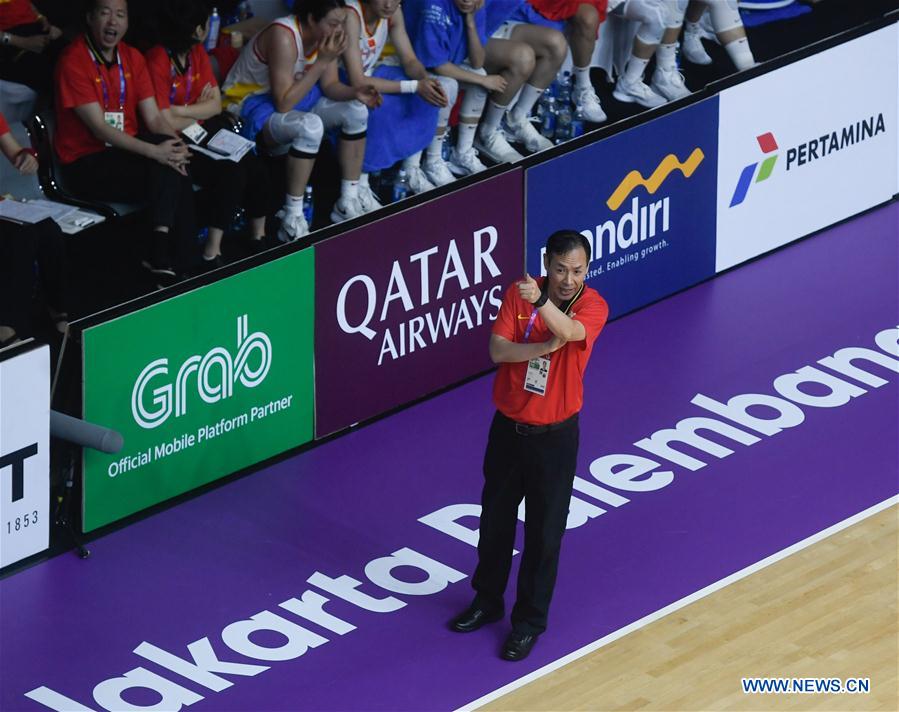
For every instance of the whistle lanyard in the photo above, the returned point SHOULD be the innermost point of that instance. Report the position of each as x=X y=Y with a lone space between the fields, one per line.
x=530 y=327
x=173 y=69
x=97 y=57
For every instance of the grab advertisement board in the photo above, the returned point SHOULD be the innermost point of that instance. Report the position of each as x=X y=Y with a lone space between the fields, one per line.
x=404 y=306
x=200 y=386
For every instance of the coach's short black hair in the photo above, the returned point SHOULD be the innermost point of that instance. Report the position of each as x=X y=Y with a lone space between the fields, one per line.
x=561 y=242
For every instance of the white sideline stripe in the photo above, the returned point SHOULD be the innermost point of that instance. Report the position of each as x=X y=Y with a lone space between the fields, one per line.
x=677 y=605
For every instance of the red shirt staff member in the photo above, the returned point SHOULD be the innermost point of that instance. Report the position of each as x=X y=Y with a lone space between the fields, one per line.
x=103 y=91
x=542 y=340
x=187 y=94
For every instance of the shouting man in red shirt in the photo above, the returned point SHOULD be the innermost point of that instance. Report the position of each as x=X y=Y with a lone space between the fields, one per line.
x=542 y=340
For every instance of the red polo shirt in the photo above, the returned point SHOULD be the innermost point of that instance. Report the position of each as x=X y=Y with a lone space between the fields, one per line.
x=16 y=12
x=79 y=81
x=170 y=86
x=565 y=386
x=564 y=9
x=4 y=127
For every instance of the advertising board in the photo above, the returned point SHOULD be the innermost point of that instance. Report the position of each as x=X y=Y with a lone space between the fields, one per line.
x=404 y=305
x=200 y=386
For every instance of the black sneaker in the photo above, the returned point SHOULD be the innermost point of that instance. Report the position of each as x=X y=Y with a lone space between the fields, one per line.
x=210 y=265
x=158 y=269
x=161 y=275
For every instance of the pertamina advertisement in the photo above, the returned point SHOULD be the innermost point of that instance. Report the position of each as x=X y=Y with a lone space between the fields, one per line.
x=799 y=150
x=200 y=386
x=645 y=199
x=404 y=306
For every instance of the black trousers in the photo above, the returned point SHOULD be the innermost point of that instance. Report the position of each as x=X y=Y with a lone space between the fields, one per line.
x=121 y=176
x=21 y=248
x=233 y=185
x=539 y=469
x=125 y=177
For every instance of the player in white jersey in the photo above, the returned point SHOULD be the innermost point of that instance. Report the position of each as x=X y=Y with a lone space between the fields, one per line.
x=414 y=101
x=529 y=57
x=667 y=81
x=276 y=81
x=727 y=25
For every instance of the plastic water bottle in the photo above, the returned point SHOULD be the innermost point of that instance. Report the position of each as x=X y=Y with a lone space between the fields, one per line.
x=215 y=24
x=400 y=185
x=548 y=128
x=307 y=205
x=244 y=10
x=563 y=124
x=445 y=148
x=239 y=221
x=577 y=123
x=564 y=95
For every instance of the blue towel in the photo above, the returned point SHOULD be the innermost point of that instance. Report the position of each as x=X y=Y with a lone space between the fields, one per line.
x=403 y=125
x=755 y=18
x=256 y=109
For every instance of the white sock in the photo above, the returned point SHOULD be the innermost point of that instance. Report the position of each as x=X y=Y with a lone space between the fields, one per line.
x=740 y=54
x=412 y=161
x=349 y=189
x=582 y=78
x=692 y=28
x=465 y=136
x=526 y=100
x=435 y=148
x=293 y=205
x=363 y=180
x=633 y=70
x=492 y=116
x=666 y=57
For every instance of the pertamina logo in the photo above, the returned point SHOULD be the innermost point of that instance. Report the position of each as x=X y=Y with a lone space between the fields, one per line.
x=641 y=222
x=768 y=144
x=212 y=376
x=802 y=154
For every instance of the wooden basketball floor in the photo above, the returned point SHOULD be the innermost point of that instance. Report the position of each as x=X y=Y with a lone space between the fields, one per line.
x=828 y=610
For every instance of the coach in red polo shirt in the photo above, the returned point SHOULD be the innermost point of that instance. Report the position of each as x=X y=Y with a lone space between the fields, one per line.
x=542 y=340
x=111 y=139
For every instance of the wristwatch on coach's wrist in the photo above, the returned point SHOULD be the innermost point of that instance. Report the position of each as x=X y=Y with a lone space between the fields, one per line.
x=5 y=38
x=544 y=295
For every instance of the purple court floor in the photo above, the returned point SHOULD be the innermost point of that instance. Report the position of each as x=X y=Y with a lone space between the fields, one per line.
x=315 y=584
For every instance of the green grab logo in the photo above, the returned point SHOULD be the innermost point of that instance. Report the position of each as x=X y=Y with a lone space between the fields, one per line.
x=165 y=397
x=200 y=386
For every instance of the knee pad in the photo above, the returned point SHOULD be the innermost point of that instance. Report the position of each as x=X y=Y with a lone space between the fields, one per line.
x=651 y=15
x=725 y=15
x=674 y=12
x=353 y=119
x=301 y=131
x=475 y=98
x=450 y=88
x=473 y=102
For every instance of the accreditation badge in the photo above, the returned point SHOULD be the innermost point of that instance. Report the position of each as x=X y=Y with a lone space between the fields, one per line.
x=116 y=119
x=194 y=133
x=537 y=375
